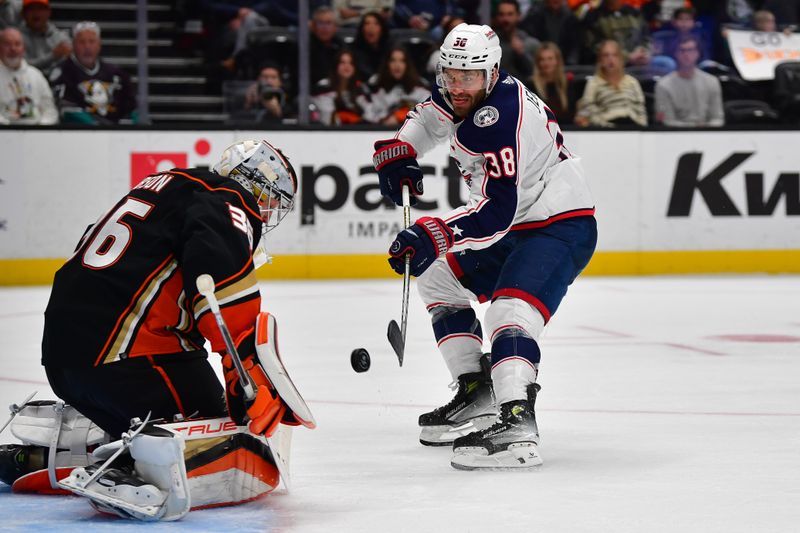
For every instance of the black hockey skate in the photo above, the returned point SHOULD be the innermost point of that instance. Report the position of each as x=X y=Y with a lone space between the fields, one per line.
x=17 y=460
x=118 y=490
x=470 y=410
x=511 y=443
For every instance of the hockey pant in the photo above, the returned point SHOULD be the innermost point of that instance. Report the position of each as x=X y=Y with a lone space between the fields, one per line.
x=513 y=326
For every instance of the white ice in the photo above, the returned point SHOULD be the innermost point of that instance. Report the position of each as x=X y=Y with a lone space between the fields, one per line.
x=667 y=404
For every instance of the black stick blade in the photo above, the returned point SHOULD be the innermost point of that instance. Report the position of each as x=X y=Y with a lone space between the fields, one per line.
x=396 y=340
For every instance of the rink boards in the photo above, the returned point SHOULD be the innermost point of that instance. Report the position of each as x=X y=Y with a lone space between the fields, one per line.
x=667 y=202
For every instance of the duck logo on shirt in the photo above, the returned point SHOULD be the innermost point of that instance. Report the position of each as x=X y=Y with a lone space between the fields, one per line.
x=99 y=96
x=486 y=116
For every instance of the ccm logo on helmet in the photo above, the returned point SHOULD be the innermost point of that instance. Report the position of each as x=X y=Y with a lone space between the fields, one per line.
x=460 y=42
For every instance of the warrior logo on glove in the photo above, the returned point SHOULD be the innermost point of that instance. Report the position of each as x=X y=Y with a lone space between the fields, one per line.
x=396 y=163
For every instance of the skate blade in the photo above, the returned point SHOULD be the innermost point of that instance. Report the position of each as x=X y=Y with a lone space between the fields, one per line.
x=445 y=435
x=109 y=504
x=519 y=457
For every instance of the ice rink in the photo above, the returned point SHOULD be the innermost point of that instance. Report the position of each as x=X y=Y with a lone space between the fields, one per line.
x=668 y=404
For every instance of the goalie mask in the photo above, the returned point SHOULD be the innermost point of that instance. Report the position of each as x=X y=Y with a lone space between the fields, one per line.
x=469 y=47
x=263 y=170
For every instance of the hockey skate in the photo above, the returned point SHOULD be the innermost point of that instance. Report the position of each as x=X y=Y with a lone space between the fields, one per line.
x=18 y=460
x=120 y=492
x=510 y=444
x=471 y=409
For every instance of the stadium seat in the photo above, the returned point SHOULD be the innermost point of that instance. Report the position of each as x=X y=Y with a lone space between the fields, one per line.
x=786 y=91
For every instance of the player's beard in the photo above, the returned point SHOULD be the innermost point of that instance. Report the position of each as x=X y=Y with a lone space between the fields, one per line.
x=466 y=102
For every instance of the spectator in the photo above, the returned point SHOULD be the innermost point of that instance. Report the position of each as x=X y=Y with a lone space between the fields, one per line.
x=764 y=20
x=45 y=45
x=624 y=24
x=518 y=47
x=325 y=45
x=343 y=97
x=665 y=42
x=689 y=97
x=88 y=89
x=229 y=22
x=10 y=14
x=787 y=12
x=421 y=15
x=371 y=44
x=25 y=96
x=611 y=96
x=398 y=89
x=266 y=101
x=550 y=83
x=350 y=12
x=553 y=21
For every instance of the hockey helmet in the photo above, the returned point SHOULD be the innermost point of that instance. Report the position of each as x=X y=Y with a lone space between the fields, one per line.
x=263 y=170
x=470 y=47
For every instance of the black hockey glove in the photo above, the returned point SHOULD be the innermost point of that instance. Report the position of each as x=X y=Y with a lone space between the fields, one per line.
x=396 y=163
x=425 y=240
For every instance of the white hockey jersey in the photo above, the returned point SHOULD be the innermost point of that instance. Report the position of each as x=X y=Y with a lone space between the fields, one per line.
x=511 y=154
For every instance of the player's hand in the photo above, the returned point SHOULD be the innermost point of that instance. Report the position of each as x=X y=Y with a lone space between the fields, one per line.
x=396 y=163
x=264 y=412
x=425 y=240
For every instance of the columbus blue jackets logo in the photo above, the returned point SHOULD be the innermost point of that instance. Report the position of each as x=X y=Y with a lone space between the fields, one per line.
x=486 y=116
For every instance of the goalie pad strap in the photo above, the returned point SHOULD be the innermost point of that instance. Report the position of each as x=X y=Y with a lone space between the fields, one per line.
x=58 y=408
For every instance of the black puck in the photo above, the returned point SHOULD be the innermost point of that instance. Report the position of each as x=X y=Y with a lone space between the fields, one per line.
x=359 y=360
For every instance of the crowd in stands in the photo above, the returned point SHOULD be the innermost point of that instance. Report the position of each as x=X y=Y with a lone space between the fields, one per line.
x=601 y=63
x=46 y=77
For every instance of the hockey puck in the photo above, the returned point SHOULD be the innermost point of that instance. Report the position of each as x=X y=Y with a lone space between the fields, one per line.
x=359 y=360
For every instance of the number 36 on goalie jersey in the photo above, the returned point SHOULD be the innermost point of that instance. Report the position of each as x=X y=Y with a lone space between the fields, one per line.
x=132 y=274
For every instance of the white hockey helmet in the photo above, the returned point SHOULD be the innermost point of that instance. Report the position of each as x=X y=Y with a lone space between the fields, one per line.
x=264 y=171
x=470 y=47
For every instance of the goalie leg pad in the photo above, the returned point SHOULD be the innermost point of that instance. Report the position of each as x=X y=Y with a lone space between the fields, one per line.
x=270 y=359
x=156 y=490
x=64 y=435
x=226 y=464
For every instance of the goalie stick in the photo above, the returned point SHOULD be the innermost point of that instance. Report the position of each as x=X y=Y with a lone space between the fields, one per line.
x=397 y=334
x=205 y=286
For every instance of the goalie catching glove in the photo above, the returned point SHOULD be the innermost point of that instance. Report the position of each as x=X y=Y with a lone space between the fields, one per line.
x=425 y=240
x=277 y=399
x=396 y=163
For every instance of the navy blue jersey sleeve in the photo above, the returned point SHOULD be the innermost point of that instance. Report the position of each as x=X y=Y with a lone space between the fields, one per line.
x=487 y=145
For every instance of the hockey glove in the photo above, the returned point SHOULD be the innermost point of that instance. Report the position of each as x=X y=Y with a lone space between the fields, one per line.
x=396 y=163
x=425 y=240
x=266 y=411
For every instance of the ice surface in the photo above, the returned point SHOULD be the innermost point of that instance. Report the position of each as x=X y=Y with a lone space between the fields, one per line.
x=667 y=405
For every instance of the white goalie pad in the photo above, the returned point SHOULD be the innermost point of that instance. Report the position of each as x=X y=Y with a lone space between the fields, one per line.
x=63 y=431
x=159 y=490
x=38 y=421
x=228 y=464
x=270 y=359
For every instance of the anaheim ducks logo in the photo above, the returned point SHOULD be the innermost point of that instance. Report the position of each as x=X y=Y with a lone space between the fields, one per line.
x=486 y=116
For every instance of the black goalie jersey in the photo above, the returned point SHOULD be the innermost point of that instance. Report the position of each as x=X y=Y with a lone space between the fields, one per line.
x=129 y=288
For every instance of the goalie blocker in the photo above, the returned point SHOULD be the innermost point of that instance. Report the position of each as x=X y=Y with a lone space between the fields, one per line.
x=176 y=466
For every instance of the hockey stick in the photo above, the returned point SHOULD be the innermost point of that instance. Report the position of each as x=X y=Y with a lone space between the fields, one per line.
x=397 y=334
x=205 y=286
x=14 y=408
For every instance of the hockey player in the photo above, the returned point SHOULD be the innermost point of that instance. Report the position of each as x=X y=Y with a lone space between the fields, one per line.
x=526 y=232
x=123 y=338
